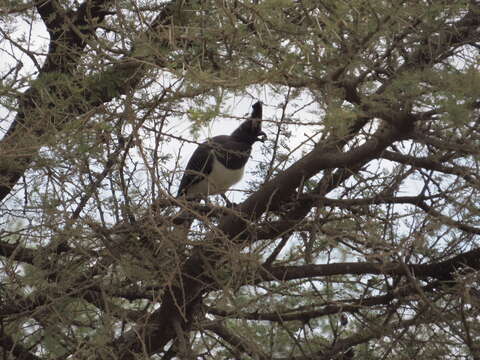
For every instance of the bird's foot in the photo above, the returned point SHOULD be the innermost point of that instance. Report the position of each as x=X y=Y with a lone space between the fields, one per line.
x=228 y=203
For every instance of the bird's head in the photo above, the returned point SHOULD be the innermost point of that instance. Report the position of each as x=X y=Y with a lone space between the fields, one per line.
x=250 y=131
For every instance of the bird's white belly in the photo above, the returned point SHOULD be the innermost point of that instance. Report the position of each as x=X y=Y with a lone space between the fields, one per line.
x=218 y=181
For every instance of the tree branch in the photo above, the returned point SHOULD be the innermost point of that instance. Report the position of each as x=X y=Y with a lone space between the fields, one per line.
x=444 y=270
x=26 y=134
x=13 y=348
x=240 y=344
x=180 y=303
x=431 y=164
x=17 y=252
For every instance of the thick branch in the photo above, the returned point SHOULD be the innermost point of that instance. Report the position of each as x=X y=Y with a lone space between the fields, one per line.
x=69 y=31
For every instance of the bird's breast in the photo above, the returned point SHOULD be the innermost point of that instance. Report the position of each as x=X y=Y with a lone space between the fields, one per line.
x=217 y=181
x=222 y=177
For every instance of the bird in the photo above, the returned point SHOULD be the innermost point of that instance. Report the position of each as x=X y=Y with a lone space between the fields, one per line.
x=219 y=162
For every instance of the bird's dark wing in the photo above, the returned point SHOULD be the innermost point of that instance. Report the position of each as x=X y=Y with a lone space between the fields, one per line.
x=200 y=163
x=232 y=153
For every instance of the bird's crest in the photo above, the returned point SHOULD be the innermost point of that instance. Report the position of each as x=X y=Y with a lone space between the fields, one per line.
x=250 y=130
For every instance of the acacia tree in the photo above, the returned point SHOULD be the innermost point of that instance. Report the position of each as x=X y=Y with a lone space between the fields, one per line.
x=354 y=236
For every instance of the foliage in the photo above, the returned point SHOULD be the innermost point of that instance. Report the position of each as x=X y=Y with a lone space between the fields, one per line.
x=353 y=236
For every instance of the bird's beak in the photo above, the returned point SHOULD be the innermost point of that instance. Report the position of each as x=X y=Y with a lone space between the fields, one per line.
x=262 y=136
